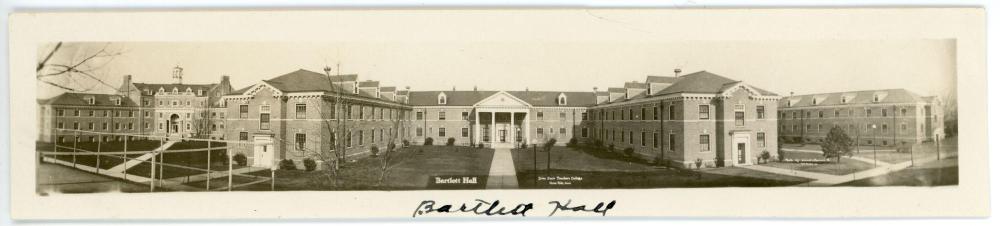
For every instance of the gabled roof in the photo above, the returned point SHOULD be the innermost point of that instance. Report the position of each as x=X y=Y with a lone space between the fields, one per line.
x=616 y=90
x=855 y=97
x=535 y=98
x=635 y=85
x=344 y=78
x=304 y=81
x=368 y=83
x=79 y=99
x=601 y=93
x=387 y=89
x=660 y=79
x=703 y=82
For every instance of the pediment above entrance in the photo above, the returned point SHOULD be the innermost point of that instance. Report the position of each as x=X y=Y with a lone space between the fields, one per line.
x=502 y=100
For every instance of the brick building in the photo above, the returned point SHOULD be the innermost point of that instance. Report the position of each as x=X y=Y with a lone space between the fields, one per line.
x=874 y=117
x=100 y=113
x=498 y=118
x=302 y=114
x=684 y=119
x=177 y=109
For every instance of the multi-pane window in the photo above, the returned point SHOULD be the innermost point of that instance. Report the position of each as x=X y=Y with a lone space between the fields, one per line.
x=739 y=118
x=76 y=113
x=760 y=112
x=441 y=115
x=885 y=128
x=90 y=126
x=656 y=113
x=300 y=111
x=703 y=112
x=631 y=114
x=420 y=115
x=465 y=115
x=59 y=112
x=361 y=137
x=539 y=115
x=642 y=114
x=539 y=131
x=672 y=115
x=642 y=139
x=244 y=111
x=583 y=115
x=562 y=131
x=562 y=115
x=703 y=143
x=885 y=112
x=265 y=121
x=420 y=131
x=465 y=132
x=868 y=112
x=441 y=132
x=300 y=141
x=760 y=140
x=630 y=138
x=656 y=140
x=585 y=132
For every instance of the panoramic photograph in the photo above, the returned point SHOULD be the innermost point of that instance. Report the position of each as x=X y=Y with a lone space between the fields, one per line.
x=133 y=117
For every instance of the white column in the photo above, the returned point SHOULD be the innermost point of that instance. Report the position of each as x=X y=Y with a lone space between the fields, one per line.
x=493 y=127
x=510 y=129
x=476 y=136
x=527 y=127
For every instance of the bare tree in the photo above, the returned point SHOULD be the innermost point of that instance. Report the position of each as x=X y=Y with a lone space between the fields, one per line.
x=76 y=69
x=394 y=134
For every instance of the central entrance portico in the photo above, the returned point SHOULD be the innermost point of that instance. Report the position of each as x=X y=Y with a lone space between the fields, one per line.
x=502 y=120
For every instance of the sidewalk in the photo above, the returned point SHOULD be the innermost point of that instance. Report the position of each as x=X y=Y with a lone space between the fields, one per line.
x=138 y=160
x=820 y=179
x=502 y=172
x=855 y=157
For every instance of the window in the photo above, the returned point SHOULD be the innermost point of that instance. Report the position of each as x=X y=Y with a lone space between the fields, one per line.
x=903 y=111
x=875 y=98
x=670 y=111
x=631 y=114
x=562 y=131
x=265 y=121
x=349 y=114
x=59 y=125
x=59 y=112
x=300 y=111
x=372 y=136
x=441 y=115
x=656 y=113
x=868 y=112
x=583 y=116
x=836 y=113
x=703 y=111
x=539 y=131
x=739 y=118
x=885 y=112
x=760 y=140
x=642 y=139
x=441 y=132
x=442 y=99
x=361 y=137
x=821 y=113
x=76 y=125
x=585 y=132
x=539 y=115
x=145 y=114
x=656 y=140
x=420 y=131
x=885 y=128
x=562 y=116
x=91 y=113
x=420 y=115
x=562 y=100
x=642 y=114
x=465 y=115
x=902 y=127
x=76 y=113
x=465 y=132
x=630 y=138
x=349 y=138
x=703 y=142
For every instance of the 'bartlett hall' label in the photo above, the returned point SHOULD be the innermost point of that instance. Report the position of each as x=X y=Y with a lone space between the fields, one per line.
x=456 y=181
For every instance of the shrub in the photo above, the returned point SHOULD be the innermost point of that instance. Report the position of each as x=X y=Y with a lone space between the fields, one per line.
x=572 y=142
x=697 y=163
x=390 y=146
x=286 y=164
x=428 y=141
x=549 y=144
x=240 y=159
x=765 y=156
x=524 y=145
x=406 y=143
x=628 y=152
x=480 y=145
x=611 y=147
x=309 y=163
x=373 y=150
x=451 y=141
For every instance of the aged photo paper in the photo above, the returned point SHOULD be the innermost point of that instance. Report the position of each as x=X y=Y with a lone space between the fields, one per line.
x=499 y=113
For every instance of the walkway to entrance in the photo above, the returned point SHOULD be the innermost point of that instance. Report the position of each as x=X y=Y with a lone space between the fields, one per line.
x=502 y=172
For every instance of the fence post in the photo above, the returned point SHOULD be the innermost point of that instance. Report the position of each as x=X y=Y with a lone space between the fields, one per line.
x=152 y=172
x=124 y=158
x=230 y=155
x=98 y=168
x=208 y=168
x=76 y=138
x=163 y=156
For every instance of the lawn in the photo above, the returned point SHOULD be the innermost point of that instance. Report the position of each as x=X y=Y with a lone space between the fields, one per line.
x=572 y=168
x=936 y=173
x=411 y=168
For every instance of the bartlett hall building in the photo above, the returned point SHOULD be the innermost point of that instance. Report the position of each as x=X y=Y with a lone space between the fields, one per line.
x=680 y=119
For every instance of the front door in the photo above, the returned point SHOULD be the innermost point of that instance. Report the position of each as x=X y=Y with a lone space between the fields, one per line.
x=263 y=152
x=740 y=152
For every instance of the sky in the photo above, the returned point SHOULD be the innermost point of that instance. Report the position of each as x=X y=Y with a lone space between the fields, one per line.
x=800 y=66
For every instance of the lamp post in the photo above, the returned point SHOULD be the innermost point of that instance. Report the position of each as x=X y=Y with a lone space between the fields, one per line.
x=874 y=153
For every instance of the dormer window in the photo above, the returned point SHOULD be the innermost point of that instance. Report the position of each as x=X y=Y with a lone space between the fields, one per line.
x=174 y=91
x=201 y=92
x=188 y=90
x=147 y=91
x=562 y=99
x=355 y=87
x=814 y=101
x=649 y=89
x=789 y=103
x=843 y=100
x=875 y=98
x=442 y=99
x=160 y=91
x=116 y=101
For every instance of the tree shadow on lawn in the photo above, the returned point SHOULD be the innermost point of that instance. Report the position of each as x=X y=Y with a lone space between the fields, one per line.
x=937 y=173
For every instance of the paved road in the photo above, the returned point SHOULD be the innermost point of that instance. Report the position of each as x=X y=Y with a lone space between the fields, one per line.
x=502 y=172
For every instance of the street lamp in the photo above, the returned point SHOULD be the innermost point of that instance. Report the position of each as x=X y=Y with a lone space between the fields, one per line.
x=874 y=153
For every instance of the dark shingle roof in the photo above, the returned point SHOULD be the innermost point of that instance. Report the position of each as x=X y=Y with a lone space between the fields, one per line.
x=660 y=79
x=616 y=90
x=854 y=97
x=635 y=85
x=154 y=87
x=387 y=89
x=368 y=84
x=703 y=82
x=303 y=81
x=78 y=99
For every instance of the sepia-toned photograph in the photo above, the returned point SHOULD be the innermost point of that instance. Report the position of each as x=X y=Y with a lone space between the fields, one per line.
x=372 y=114
x=162 y=117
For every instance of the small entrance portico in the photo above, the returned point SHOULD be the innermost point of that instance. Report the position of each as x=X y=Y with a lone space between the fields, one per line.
x=502 y=120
